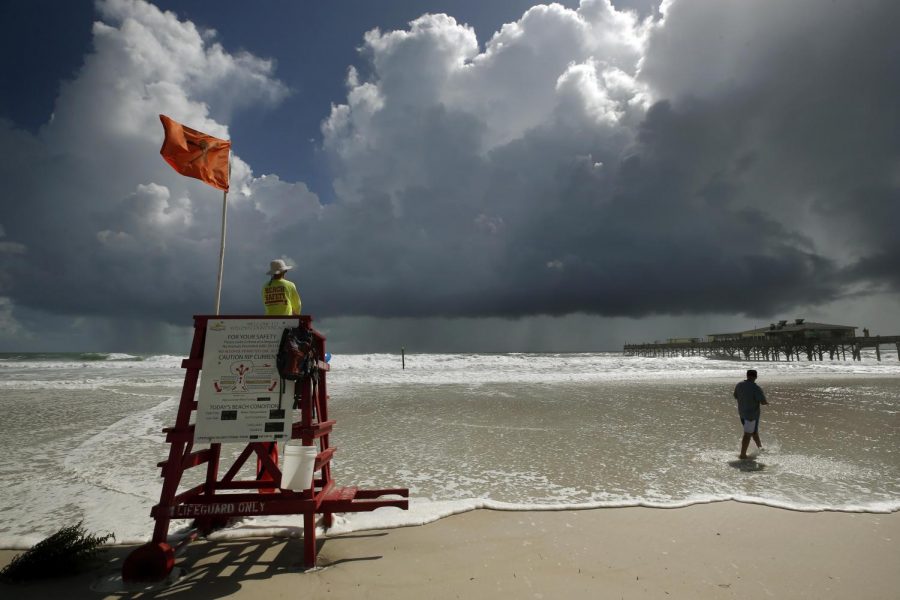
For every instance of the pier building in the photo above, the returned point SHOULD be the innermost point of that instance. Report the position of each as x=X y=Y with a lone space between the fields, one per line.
x=783 y=340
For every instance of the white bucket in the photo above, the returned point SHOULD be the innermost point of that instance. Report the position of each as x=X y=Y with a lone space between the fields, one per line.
x=297 y=469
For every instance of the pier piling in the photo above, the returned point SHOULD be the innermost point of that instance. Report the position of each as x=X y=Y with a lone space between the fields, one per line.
x=765 y=349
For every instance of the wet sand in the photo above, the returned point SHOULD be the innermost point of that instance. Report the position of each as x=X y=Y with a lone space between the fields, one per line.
x=721 y=550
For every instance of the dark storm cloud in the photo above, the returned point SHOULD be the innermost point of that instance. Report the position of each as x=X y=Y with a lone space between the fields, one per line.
x=730 y=157
x=806 y=93
x=739 y=191
x=637 y=235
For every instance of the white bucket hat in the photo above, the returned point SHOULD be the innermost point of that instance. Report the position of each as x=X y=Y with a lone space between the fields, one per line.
x=278 y=266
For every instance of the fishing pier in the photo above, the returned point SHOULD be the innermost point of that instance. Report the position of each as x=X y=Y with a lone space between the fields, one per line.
x=777 y=342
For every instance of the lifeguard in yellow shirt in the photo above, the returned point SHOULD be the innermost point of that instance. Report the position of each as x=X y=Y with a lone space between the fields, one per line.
x=279 y=295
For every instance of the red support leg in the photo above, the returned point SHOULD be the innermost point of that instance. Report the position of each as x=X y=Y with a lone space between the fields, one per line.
x=263 y=474
x=150 y=562
x=309 y=540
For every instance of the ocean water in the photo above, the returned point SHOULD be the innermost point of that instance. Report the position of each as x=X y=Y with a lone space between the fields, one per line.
x=82 y=434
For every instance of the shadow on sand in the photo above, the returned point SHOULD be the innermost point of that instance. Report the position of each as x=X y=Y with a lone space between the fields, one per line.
x=204 y=570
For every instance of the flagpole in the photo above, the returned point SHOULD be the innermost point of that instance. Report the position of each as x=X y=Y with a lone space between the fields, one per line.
x=221 y=252
x=222 y=246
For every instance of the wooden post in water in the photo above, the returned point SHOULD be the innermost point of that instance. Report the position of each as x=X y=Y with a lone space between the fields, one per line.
x=403 y=357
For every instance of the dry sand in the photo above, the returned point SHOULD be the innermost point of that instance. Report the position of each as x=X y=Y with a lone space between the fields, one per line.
x=722 y=550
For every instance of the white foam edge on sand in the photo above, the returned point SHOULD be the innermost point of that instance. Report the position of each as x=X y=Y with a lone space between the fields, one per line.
x=422 y=512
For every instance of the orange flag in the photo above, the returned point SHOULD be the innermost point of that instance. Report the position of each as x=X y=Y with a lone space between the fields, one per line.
x=195 y=154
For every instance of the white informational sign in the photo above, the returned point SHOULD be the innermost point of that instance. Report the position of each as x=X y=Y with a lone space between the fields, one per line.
x=239 y=383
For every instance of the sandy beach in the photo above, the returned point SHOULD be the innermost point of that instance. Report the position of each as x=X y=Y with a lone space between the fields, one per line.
x=721 y=550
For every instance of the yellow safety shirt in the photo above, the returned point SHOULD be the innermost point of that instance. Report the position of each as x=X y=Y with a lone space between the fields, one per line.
x=280 y=297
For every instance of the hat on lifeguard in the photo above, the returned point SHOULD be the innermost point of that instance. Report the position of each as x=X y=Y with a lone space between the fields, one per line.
x=278 y=266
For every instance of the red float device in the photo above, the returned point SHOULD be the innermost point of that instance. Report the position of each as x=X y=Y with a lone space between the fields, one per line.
x=214 y=501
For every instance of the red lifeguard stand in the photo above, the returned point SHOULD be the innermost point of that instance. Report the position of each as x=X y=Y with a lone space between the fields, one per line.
x=214 y=501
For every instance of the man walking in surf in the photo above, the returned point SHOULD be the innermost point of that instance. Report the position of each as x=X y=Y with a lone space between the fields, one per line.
x=749 y=397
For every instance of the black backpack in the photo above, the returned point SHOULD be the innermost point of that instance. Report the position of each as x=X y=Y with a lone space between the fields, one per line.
x=296 y=355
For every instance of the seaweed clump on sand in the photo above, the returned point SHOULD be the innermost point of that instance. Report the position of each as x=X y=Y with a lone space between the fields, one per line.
x=66 y=552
